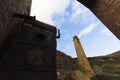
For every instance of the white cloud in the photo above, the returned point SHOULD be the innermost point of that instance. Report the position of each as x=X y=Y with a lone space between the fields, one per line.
x=78 y=11
x=44 y=9
x=75 y=5
x=106 y=32
x=60 y=18
x=75 y=15
x=88 y=29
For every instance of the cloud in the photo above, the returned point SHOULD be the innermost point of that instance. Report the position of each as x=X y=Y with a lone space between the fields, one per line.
x=60 y=18
x=75 y=15
x=44 y=9
x=106 y=32
x=88 y=29
x=78 y=11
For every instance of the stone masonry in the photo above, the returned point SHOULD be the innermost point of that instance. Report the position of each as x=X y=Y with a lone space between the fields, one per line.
x=9 y=24
x=108 y=11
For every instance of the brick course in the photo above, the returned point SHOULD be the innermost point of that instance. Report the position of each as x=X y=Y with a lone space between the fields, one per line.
x=108 y=11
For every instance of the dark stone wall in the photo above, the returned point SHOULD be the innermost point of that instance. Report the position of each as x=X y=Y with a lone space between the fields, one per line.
x=108 y=11
x=8 y=24
x=88 y=3
x=32 y=55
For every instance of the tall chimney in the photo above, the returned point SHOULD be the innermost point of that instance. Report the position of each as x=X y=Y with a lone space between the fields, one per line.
x=82 y=59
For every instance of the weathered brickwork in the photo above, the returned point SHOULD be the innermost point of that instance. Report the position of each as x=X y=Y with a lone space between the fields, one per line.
x=108 y=11
x=8 y=24
x=84 y=65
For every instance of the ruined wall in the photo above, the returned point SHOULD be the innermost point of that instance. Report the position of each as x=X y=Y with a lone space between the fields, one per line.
x=8 y=24
x=108 y=11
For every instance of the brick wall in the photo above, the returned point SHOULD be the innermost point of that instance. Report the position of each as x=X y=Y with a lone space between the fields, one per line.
x=8 y=24
x=108 y=11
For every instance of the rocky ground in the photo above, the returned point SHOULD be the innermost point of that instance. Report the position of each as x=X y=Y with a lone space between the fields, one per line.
x=105 y=67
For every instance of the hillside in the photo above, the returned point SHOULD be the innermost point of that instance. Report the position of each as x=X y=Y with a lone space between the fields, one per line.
x=115 y=54
x=65 y=66
x=105 y=67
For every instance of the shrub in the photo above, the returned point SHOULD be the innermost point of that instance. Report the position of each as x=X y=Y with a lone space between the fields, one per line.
x=82 y=69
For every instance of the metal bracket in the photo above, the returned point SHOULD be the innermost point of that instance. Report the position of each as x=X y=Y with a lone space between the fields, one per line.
x=58 y=36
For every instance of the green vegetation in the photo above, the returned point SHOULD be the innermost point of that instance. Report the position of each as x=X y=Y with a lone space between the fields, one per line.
x=82 y=69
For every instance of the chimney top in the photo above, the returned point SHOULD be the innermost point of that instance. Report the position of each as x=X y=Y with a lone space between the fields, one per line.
x=75 y=37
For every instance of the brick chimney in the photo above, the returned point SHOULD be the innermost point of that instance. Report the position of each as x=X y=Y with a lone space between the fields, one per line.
x=82 y=59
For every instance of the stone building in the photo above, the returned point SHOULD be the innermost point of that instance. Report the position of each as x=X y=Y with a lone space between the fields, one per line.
x=27 y=46
x=32 y=53
x=8 y=24
x=108 y=11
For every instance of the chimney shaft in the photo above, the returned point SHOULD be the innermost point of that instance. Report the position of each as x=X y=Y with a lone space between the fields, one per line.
x=82 y=59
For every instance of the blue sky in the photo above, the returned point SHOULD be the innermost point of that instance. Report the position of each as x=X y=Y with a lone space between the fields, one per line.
x=72 y=18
